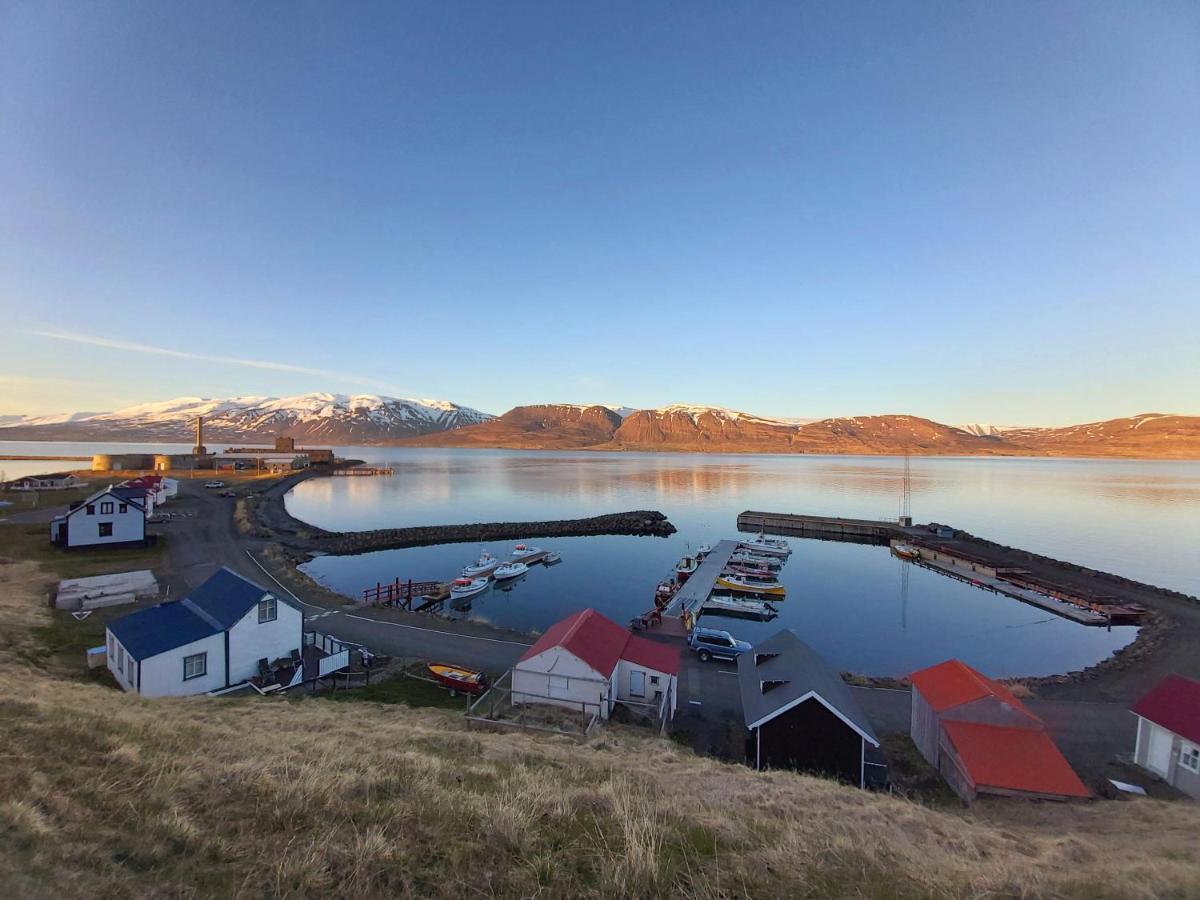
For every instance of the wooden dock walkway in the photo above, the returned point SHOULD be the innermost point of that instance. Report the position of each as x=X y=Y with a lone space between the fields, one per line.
x=695 y=591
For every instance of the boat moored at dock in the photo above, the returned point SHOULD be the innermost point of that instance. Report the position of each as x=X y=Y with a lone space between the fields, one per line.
x=461 y=588
x=685 y=567
x=905 y=550
x=509 y=570
x=766 y=546
x=485 y=565
x=752 y=584
x=745 y=608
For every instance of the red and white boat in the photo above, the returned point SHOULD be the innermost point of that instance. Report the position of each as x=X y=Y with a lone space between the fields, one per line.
x=685 y=567
x=461 y=588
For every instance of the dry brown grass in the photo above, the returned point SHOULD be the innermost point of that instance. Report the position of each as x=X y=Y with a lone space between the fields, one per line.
x=108 y=795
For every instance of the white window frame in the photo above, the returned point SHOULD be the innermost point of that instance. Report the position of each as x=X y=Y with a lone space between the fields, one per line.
x=106 y=508
x=190 y=658
x=268 y=609
x=1189 y=757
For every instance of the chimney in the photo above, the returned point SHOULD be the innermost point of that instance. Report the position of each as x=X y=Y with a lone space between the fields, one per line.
x=199 y=448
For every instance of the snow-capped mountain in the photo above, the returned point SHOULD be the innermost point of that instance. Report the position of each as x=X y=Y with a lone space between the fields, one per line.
x=980 y=429
x=328 y=418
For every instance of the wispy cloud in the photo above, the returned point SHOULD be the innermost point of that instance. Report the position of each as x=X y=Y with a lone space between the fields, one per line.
x=136 y=347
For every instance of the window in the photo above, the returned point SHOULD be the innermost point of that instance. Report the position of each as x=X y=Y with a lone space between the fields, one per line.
x=112 y=646
x=105 y=529
x=1189 y=757
x=267 y=609
x=121 y=658
x=129 y=674
x=654 y=679
x=106 y=508
x=195 y=665
x=91 y=509
x=124 y=507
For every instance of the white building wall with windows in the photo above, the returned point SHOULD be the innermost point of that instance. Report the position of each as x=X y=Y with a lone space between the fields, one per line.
x=163 y=675
x=103 y=519
x=638 y=683
x=251 y=640
x=1172 y=757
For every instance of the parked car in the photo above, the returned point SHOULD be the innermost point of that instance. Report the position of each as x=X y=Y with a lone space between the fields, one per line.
x=214 y=484
x=711 y=642
x=228 y=493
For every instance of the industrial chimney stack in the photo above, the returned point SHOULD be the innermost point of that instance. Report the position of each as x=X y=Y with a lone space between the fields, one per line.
x=199 y=448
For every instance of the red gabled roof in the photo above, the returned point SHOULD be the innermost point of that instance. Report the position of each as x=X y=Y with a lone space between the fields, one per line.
x=953 y=683
x=1015 y=759
x=1174 y=703
x=595 y=639
x=600 y=642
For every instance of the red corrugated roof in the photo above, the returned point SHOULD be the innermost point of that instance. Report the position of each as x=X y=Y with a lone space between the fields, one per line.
x=953 y=683
x=652 y=655
x=600 y=642
x=1174 y=703
x=1015 y=759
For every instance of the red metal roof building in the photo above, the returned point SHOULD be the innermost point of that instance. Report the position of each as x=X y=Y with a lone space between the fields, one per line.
x=983 y=739
x=1168 y=735
x=587 y=661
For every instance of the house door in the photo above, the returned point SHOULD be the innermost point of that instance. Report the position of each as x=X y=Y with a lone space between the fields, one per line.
x=1158 y=754
x=637 y=684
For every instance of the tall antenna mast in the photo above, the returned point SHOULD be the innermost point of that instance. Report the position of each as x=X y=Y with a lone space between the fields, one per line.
x=906 y=492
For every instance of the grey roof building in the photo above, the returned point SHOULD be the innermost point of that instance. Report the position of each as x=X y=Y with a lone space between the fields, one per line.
x=801 y=714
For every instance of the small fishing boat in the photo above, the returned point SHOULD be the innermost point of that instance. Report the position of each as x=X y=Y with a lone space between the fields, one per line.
x=551 y=558
x=744 y=569
x=767 y=546
x=905 y=550
x=510 y=570
x=523 y=552
x=752 y=584
x=704 y=550
x=461 y=588
x=756 y=559
x=483 y=566
x=733 y=606
x=458 y=679
x=685 y=567
x=664 y=592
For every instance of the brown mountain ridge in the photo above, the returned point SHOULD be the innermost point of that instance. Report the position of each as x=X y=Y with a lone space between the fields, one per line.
x=710 y=429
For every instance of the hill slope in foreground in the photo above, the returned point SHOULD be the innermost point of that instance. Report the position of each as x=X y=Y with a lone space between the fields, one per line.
x=103 y=794
x=692 y=428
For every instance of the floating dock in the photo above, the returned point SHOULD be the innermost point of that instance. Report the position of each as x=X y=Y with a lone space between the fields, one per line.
x=690 y=598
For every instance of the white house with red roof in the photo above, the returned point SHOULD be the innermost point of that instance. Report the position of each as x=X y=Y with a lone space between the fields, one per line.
x=588 y=662
x=983 y=740
x=1168 y=735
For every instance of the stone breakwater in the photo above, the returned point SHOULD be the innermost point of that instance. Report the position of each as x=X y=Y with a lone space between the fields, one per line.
x=266 y=517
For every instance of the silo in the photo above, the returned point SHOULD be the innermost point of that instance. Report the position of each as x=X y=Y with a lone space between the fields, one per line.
x=101 y=462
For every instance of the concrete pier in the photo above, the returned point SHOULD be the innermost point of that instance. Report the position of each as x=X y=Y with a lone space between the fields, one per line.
x=860 y=530
x=696 y=589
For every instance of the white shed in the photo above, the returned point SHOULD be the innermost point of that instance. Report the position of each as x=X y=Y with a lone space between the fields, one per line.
x=586 y=662
x=1168 y=734
x=213 y=638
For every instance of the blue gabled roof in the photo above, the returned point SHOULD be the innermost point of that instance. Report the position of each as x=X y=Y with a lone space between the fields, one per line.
x=226 y=597
x=212 y=608
x=149 y=632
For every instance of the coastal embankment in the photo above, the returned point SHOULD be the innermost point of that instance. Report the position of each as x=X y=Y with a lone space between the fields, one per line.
x=265 y=515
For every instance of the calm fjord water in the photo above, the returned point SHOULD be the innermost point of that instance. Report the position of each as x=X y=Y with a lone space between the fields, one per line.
x=860 y=607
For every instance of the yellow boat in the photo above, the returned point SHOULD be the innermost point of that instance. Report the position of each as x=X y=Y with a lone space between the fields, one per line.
x=905 y=550
x=752 y=584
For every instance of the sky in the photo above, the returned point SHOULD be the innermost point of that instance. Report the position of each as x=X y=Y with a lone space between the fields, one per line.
x=971 y=211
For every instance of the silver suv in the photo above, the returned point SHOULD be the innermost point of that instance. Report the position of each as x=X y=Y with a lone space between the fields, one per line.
x=710 y=642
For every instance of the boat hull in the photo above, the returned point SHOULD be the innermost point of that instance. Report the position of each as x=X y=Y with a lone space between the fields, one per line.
x=457 y=679
x=767 y=590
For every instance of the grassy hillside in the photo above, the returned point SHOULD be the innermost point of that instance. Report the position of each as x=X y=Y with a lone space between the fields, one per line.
x=107 y=795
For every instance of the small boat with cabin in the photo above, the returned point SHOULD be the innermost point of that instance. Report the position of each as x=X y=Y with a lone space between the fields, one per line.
x=744 y=569
x=685 y=567
x=551 y=558
x=752 y=584
x=510 y=570
x=458 y=679
x=664 y=592
x=485 y=565
x=767 y=546
x=757 y=559
x=526 y=553
x=461 y=588
x=905 y=550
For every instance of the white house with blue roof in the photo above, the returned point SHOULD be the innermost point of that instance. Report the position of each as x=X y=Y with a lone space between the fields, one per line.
x=211 y=639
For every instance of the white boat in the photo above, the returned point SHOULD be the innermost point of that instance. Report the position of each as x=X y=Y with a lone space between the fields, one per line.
x=905 y=550
x=766 y=546
x=485 y=565
x=523 y=552
x=551 y=558
x=704 y=550
x=685 y=567
x=461 y=588
x=510 y=570
x=752 y=584
x=732 y=606
x=743 y=569
x=746 y=558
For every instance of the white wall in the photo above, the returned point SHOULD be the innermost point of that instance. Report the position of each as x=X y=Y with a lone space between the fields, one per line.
x=162 y=675
x=560 y=678
x=250 y=641
x=623 y=675
x=84 y=530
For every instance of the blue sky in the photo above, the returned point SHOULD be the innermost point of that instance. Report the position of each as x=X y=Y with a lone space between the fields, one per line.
x=969 y=211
